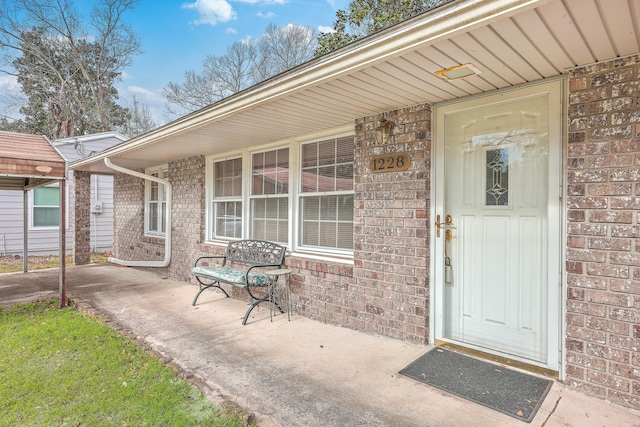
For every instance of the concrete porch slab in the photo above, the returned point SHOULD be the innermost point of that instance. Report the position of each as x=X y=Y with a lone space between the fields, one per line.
x=297 y=373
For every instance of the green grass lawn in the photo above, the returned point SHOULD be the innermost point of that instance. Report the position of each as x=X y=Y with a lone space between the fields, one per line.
x=60 y=367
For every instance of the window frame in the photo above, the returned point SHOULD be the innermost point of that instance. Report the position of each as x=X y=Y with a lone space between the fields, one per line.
x=162 y=172
x=293 y=196
x=253 y=198
x=301 y=194
x=213 y=200
x=32 y=207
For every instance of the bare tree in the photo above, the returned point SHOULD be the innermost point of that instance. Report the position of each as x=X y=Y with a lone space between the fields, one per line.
x=139 y=120
x=222 y=76
x=67 y=69
x=281 y=49
x=243 y=65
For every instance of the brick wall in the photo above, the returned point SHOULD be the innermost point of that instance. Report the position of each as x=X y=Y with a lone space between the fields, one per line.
x=603 y=250
x=81 y=217
x=391 y=232
x=129 y=242
x=324 y=291
x=187 y=180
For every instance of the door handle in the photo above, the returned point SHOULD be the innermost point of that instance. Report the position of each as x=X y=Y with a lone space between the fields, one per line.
x=448 y=222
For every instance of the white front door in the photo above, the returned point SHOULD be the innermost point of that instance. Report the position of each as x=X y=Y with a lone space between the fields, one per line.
x=497 y=266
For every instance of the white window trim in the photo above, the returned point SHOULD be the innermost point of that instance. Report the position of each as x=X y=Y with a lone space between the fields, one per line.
x=287 y=196
x=294 y=144
x=297 y=196
x=147 y=198
x=67 y=210
x=210 y=197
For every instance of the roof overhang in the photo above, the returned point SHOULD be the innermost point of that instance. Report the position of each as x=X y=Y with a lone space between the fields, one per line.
x=29 y=161
x=509 y=43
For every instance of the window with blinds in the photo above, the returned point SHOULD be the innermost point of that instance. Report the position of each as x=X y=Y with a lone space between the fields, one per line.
x=326 y=194
x=298 y=194
x=227 y=198
x=270 y=195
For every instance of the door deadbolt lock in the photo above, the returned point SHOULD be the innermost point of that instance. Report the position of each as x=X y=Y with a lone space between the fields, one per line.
x=448 y=222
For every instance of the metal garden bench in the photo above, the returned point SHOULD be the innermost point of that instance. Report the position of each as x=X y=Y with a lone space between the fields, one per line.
x=243 y=265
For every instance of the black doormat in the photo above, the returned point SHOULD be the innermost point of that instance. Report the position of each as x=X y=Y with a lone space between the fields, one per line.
x=496 y=387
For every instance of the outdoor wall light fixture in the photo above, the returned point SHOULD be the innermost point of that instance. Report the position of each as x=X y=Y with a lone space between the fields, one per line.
x=459 y=72
x=383 y=131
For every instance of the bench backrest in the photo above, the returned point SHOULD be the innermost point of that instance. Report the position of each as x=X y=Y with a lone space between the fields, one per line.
x=255 y=252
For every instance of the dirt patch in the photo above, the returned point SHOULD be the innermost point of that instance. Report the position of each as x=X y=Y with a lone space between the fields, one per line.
x=13 y=263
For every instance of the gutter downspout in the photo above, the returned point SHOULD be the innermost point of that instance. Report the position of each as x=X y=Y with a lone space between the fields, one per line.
x=167 y=237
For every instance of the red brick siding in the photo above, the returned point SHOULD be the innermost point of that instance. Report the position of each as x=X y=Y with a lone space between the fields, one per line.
x=603 y=254
x=81 y=217
x=129 y=242
x=391 y=232
x=325 y=291
x=187 y=178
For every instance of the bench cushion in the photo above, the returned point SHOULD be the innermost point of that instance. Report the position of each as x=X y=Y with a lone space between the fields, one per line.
x=232 y=275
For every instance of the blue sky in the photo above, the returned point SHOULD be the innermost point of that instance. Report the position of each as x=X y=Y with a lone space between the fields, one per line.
x=178 y=34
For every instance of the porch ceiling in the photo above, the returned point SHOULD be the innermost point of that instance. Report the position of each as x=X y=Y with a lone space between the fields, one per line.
x=510 y=41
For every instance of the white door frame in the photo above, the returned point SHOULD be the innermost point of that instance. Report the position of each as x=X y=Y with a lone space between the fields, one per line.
x=556 y=278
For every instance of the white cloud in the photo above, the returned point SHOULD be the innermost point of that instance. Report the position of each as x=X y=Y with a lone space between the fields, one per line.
x=325 y=29
x=9 y=84
x=231 y=31
x=11 y=97
x=267 y=15
x=211 y=11
x=264 y=1
x=146 y=93
x=154 y=100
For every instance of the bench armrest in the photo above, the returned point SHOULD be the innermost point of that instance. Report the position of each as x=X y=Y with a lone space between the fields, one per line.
x=263 y=266
x=195 y=264
x=248 y=270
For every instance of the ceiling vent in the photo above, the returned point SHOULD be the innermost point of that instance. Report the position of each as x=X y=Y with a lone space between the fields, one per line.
x=459 y=72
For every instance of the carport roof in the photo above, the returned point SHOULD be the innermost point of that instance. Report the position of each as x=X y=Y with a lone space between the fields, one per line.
x=28 y=161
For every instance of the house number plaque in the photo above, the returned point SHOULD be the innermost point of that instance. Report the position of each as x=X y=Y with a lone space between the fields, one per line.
x=390 y=162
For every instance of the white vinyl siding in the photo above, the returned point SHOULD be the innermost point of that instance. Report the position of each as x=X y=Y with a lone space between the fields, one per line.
x=102 y=222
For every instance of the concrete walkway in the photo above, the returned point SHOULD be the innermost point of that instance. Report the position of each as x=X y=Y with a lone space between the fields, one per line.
x=298 y=373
